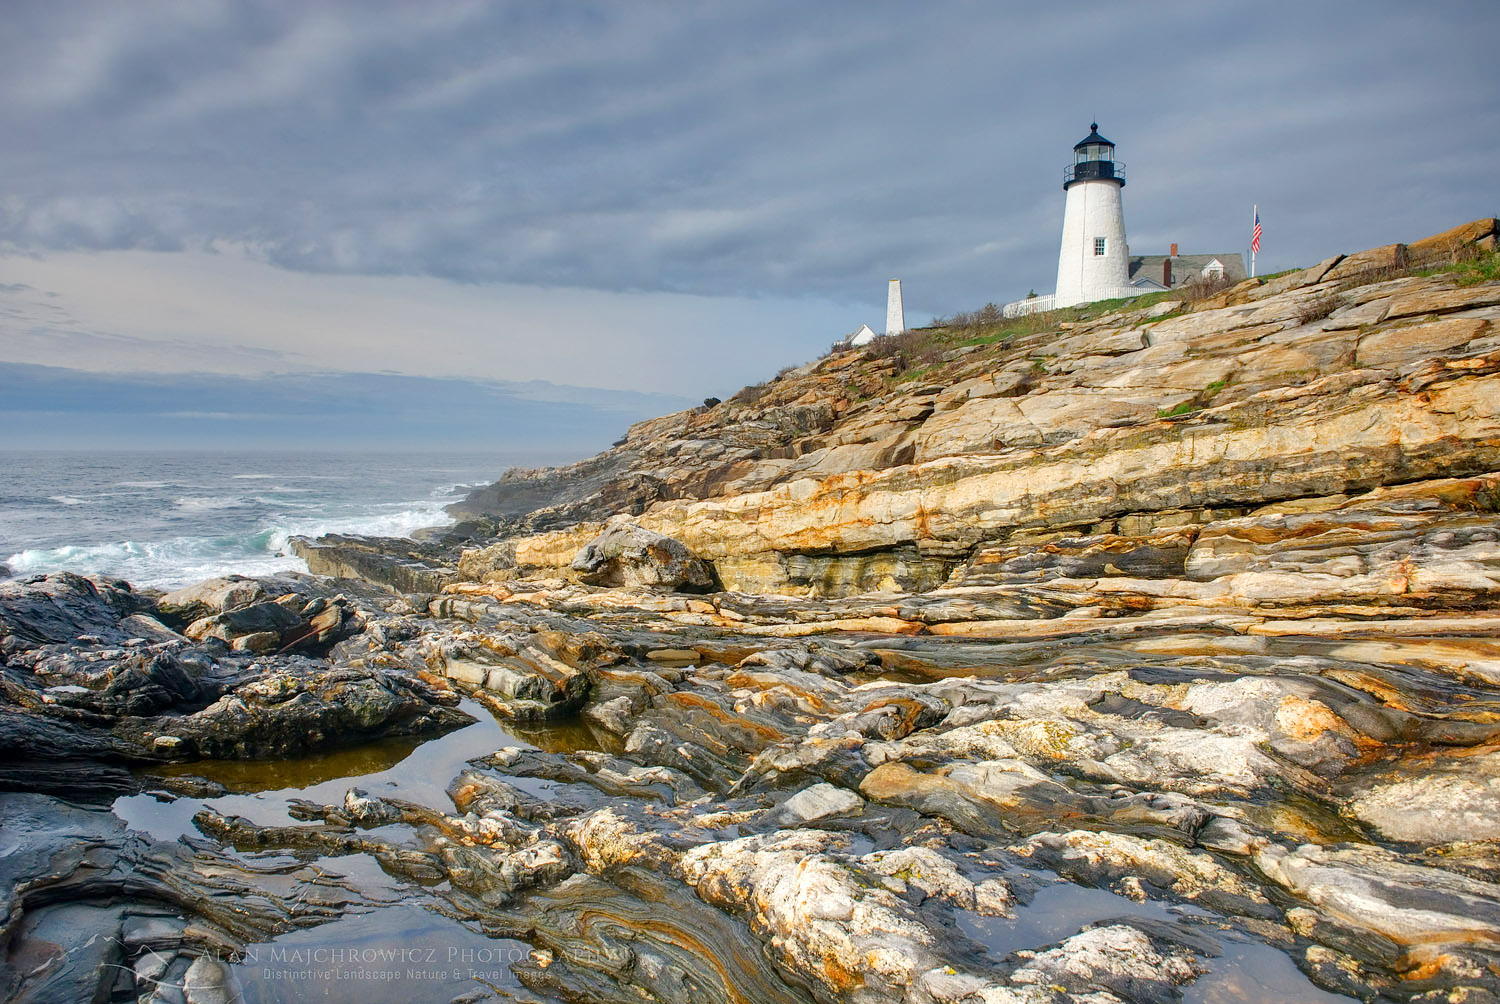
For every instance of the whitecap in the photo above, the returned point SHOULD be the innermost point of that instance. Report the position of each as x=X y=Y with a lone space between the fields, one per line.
x=459 y=490
x=165 y=564
x=404 y=518
x=181 y=561
x=68 y=500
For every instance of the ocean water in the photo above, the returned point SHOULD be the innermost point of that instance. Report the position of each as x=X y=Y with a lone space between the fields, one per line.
x=167 y=519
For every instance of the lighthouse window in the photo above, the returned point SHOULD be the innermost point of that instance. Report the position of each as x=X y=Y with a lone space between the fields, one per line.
x=1099 y=245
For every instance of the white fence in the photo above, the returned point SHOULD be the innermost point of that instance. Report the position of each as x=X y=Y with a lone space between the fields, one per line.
x=1030 y=305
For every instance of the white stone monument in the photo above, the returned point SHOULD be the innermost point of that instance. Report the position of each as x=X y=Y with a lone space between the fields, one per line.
x=1094 y=263
x=895 y=317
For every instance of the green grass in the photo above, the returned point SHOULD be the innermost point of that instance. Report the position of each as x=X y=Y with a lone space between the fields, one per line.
x=918 y=352
x=1098 y=308
x=1181 y=409
x=917 y=373
x=989 y=337
x=1215 y=387
x=967 y=329
x=1276 y=275
x=1484 y=268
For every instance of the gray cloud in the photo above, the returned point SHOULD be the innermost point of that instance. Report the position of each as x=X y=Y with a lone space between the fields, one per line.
x=766 y=149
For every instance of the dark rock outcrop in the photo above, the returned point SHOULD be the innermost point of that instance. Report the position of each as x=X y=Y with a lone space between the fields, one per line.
x=86 y=677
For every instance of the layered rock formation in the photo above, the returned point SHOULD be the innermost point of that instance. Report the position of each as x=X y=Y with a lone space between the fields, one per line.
x=1141 y=652
x=850 y=474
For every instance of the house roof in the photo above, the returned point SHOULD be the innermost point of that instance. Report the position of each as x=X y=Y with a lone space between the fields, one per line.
x=1186 y=267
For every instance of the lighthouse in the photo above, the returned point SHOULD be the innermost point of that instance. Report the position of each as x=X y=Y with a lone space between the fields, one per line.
x=1094 y=263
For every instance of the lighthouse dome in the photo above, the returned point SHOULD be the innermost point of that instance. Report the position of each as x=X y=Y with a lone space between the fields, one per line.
x=1093 y=148
x=1093 y=139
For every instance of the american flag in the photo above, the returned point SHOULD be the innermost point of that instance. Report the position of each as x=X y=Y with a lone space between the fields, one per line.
x=1255 y=234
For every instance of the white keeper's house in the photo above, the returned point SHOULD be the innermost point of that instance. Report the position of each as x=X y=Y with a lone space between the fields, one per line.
x=1094 y=262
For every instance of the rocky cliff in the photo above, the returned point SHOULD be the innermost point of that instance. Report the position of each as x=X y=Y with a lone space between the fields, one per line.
x=912 y=463
x=1134 y=652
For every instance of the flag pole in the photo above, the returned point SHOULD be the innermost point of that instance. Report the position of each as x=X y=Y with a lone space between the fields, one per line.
x=1254 y=215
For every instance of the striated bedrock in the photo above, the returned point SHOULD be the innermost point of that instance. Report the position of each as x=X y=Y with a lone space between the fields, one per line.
x=880 y=836
x=407 y=566
x=90 y=906
x=891 y=810
x=1346 y=433
x=846 y=475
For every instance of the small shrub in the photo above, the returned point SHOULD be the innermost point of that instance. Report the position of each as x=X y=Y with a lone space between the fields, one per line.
x=1486 y=269
x=711 y=402
x=1181 y=409
x=1215 y=387
x=904 y=348
x=1317 y=308
x=986 y=316
x=917 y=373
x=1467 y=264
x=1198 y=288
x=750 y=394
x=1470 y=266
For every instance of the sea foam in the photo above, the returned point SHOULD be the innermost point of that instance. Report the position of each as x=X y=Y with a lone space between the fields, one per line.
x=183 y=560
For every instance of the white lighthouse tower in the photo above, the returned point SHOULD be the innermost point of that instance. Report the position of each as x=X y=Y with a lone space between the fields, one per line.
x=1094 y=263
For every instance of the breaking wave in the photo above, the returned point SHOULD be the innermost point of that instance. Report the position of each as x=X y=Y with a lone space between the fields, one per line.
x=182 y=560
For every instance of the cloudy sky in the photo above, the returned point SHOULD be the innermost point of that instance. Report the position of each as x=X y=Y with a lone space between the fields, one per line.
x=674 y=197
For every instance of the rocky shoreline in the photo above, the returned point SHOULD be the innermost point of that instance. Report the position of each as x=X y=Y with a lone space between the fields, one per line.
x=1148 y=654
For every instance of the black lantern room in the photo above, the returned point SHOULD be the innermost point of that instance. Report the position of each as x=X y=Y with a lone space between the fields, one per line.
x=1093 y=160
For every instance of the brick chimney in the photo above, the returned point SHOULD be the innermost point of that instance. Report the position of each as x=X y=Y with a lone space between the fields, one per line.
x=1166 y=270
x=1174 y=250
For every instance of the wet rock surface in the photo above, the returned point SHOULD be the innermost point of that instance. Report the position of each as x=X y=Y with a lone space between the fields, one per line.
x=1015 y=683
x=92 y=672
x=881 y=811
x=92 y=907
